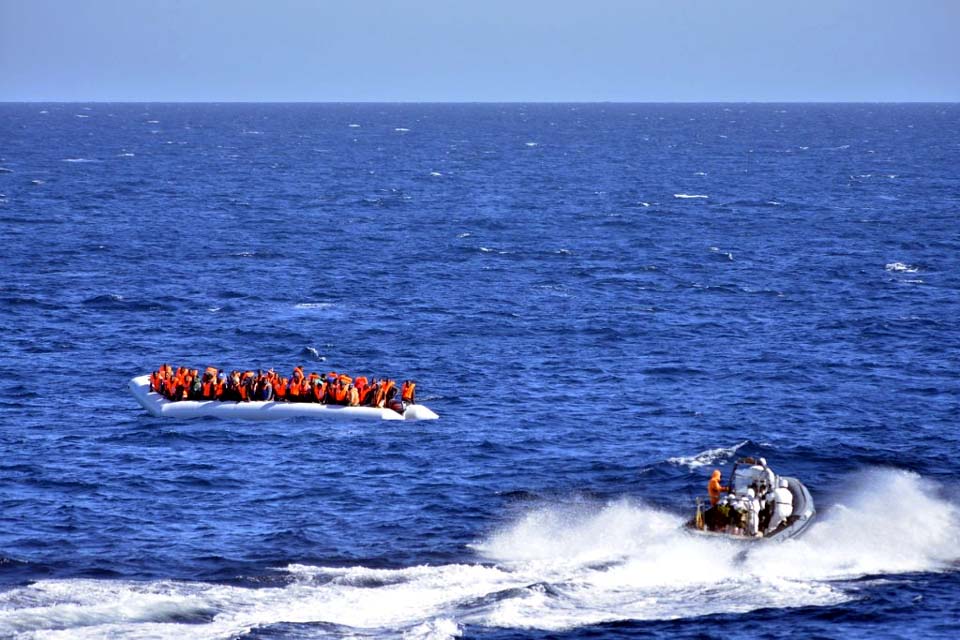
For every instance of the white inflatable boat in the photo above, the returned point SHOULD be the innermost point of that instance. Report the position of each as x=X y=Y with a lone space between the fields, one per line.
x=158 y=406
x=750 y=474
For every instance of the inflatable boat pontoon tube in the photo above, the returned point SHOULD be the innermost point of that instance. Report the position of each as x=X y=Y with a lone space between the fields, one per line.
x=158 y=406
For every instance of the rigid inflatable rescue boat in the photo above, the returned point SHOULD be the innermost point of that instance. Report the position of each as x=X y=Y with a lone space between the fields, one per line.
x=752 y=478
x=158 y=406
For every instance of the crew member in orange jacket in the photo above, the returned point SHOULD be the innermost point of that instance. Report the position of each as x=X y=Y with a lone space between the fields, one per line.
x=714 y=488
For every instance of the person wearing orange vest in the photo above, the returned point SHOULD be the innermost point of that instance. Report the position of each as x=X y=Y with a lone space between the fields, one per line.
x=319 y=391
x=388 y=389
x=293 y=389
x=363 y=390
x=337 y=392
x=280 y=388
x=408 y=391
x=208 y=390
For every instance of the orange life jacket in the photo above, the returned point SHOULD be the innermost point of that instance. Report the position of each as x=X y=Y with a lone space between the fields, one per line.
x=382 y=393
x=294 y=390
x=406 y=391
x=209 y=389
x=319 y=391
x=280 y=388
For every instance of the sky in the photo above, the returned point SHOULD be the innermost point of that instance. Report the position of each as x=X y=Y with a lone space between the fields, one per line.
x=480 y=50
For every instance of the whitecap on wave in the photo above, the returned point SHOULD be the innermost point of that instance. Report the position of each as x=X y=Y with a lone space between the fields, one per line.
x=710 y=456
x=899 y=267
x=312 y=305
x=689 y=196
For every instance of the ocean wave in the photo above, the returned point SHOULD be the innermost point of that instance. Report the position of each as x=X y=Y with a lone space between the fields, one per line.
x=708 y=457
x=689 y=196
x=900 y=267
x=79 y=160
x=306 y=306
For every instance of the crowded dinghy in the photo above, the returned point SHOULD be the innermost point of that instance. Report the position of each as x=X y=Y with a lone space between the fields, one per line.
x=756 y=504
x=266 y=395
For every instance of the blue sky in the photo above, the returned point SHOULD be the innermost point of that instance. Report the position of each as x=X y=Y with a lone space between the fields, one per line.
x=480 y=50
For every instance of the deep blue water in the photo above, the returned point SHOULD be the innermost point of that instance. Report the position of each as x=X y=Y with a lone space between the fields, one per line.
x=595 y=339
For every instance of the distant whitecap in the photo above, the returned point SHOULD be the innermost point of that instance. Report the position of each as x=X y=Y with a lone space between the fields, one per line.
x=699 y=173
x=644 y=204
x=353 y=126
x=80 y=115
x=313 y=353
x=401 y=129
x=313 y=305
x=899 y=267
x=689 y=196
x=153 y=122
x=435 y=173
x=37 y=181
x=531 y=144
x=708 y=457
x=78 y=160
x=125 y=155
x=465 y=234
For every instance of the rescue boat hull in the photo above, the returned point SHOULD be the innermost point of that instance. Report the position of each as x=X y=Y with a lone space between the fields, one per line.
x=158 y=406
x=801 y=519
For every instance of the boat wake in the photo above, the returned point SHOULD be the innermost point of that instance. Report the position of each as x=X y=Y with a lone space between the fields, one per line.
x=554 y=567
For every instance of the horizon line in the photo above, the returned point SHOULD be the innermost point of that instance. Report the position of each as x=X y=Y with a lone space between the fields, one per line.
x=484 y=102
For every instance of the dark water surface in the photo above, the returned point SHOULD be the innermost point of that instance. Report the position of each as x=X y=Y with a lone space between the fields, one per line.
x=602 y=302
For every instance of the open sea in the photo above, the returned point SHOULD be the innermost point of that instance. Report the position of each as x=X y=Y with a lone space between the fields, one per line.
x=603 y=302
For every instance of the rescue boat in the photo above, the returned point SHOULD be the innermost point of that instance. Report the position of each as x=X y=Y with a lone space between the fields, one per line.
x=743 y=477
x=160 y=407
